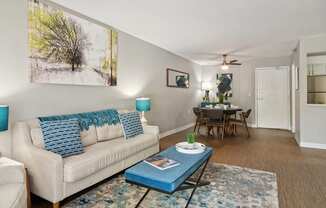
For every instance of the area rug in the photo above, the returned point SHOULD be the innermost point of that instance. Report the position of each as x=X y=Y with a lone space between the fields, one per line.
x=231 y=187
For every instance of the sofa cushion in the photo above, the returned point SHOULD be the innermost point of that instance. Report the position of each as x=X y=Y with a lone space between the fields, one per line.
x=131 y=124
x=107 y=132
x=140 y=143
x=99 y=156
x=62 y=137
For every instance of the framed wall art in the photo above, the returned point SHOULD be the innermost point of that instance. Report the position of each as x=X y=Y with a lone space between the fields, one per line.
x=67 y=48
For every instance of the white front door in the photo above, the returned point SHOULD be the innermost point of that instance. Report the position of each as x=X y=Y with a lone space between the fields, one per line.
x=273 y=97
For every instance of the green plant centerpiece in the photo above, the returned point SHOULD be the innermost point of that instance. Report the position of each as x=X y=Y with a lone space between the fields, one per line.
x=220 y=98
x=191 y=138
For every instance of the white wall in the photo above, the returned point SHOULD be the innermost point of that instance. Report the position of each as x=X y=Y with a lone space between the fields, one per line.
x=244 y=80
x=312 y=118
x=141 y=72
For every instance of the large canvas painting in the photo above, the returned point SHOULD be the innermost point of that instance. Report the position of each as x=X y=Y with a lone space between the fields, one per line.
x=68 y=49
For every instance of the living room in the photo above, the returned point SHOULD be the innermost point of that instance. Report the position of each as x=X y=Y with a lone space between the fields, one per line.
x=163 y=61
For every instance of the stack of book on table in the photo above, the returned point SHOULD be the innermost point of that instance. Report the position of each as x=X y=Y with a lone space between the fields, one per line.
x=161 y=162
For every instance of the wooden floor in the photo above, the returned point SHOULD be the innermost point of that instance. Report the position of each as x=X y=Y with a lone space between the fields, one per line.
x=301 y=173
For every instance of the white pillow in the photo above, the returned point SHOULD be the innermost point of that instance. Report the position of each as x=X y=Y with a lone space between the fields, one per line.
x=88 y=137
x=37 y=137
x=108 y=132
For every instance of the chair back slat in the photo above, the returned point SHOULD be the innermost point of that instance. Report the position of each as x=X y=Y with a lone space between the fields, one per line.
x=196 y=111
x=247 y=113
x=214 y=113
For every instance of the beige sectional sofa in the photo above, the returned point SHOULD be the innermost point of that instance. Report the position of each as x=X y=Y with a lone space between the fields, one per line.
x=106 y=152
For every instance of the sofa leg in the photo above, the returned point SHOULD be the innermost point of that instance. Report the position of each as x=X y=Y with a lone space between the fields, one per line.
x=56 y=205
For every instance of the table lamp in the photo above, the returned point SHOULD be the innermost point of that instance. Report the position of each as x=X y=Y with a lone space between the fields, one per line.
x=206 y=86
x=143 y=105
x=4 y=112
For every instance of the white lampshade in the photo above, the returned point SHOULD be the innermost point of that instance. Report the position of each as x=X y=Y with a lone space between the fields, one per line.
x=207 y=85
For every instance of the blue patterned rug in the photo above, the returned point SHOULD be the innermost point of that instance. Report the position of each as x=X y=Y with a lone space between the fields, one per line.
x=231 y=187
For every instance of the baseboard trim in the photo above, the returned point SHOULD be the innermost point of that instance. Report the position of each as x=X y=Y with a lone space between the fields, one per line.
x=173 y=131
x=313 y=145
x=252 y=125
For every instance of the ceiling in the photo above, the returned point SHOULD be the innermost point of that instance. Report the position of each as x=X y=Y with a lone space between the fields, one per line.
x=197 y=30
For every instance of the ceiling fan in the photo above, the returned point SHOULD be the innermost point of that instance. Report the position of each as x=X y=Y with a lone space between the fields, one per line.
x=225 y=64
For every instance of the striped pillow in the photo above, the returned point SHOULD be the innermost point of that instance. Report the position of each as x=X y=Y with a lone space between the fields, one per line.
x=62 y=137
x=131 y=124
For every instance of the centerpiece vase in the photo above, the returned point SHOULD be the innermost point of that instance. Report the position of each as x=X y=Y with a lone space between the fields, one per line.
x=221 y=98
x=191 y=138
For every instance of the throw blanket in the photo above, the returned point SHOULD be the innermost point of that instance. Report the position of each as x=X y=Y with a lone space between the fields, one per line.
x=97 y=118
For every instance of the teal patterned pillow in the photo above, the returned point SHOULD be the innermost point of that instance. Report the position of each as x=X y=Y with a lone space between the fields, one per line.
x=62 y=137
x=131 y=124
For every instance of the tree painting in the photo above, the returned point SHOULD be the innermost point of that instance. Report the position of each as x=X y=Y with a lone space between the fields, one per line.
x=66 y=49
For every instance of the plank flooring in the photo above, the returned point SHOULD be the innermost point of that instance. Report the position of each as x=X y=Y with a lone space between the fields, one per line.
x=301 y=172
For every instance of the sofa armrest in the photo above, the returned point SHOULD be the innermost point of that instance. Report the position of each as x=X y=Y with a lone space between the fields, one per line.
x=45 y=168
x=13 y=191
x=12 y=172
x=152 y=130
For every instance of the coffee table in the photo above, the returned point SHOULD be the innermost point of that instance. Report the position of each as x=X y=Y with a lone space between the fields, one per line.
x=173 y=179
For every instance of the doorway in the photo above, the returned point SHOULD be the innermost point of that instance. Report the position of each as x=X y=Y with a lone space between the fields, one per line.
x=273 y=97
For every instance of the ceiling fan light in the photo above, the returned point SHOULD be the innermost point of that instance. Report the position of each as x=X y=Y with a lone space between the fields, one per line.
x=225 y=67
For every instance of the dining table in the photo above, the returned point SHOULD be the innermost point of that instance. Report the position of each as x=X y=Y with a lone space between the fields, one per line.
x=228 y=111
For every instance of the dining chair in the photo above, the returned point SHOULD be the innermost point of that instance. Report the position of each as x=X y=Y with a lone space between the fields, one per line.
x=229 y=115
x=216 y=118
x=201 y=118
x=241 y=122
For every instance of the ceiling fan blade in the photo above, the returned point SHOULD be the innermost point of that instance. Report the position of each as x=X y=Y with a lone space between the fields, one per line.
x=203 y=54
x=213 y=64
x=237 y=64
x=233 y=61
x=214 y=58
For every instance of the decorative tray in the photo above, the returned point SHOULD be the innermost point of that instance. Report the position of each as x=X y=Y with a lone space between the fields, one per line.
x=186 y=148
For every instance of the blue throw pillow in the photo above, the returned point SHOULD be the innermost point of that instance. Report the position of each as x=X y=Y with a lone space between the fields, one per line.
x=62 y=137
x=131 y=124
